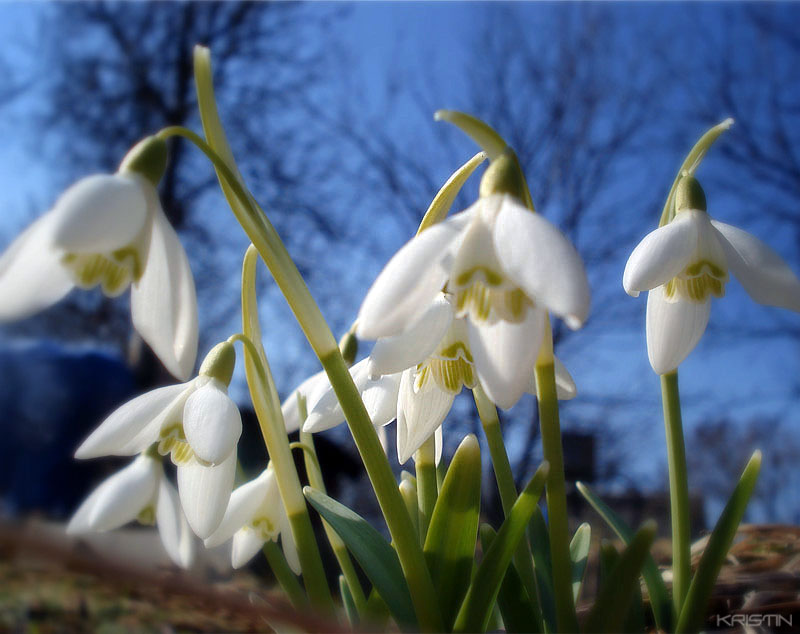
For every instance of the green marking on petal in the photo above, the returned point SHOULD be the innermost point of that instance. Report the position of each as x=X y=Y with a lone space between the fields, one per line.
x=488 y=305
x=482 y=274
x=448 y=374
x=147 y=516
x=112 y=272
x=264 y=527
x=172 y=440
x=699 y=281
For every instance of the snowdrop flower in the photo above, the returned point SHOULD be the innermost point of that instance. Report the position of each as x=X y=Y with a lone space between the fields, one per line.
x=109 y=230
x=196 y=423
x=415 y=377
x=505 y=267
x=686 y=262
x=255 y=515
x=139 y=492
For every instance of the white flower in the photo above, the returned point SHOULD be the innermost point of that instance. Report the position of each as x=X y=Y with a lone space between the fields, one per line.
x=197 y=424
x=687 y=261
x=415 y=377
x=108 y=230
x=255 y=515
x=505 y=267
x=139 y=492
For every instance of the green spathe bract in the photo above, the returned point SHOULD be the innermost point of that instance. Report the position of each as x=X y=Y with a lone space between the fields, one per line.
x=147 y=158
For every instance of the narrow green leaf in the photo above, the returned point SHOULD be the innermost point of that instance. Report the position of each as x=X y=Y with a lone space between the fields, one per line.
x=477 y=607
x=443 y=201
x=615 y=596
x=660 y=601
x=450 y=542
x=539 y=538
x=579 y=555
x=408 y=491
x=348 y=602
x=377 y=613
x=719 y=543
x=373 y=553
x=517 y=612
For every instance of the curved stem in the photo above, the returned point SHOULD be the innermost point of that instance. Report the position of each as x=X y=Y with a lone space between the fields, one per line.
x=678 y=490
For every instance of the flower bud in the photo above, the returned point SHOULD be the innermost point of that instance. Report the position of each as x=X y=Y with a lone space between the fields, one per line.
x=147 y=158
x=219 y=362
x=348 y=345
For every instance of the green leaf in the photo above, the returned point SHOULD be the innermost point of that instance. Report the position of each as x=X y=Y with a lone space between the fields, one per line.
x=539 y=539
x=477 y=607
x=377 y=613
x=373 y=553
x=719 y=543
x=579 y=555
x=348 y=602
x=660 y=601
x=615 y=596
x=450 y=542
x=515 y=607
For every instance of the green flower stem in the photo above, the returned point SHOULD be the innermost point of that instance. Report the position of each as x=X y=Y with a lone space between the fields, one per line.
x=427 y=489
x=399 y=522
x=316 y=480
x=558 y=523
x=284 y=574
x=270 y=419
x=523 y=560
x=678 y=490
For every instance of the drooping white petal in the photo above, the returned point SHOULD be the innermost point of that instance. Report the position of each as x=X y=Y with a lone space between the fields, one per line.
x=419 y=414
x=125 y=494
x=115 y=434
x=246 y=543
x=172 y=526
x=244 y=502
x=673 y=329
x=31 y=275
x=662 y=254
x=505 y=354
x=380 y=398
x=288 y=544
x=438 y=444
x=542 y=262
x=383 y=438
x=565 y=384
x=204 y=493
x=395 y=354
x=312 y=389
x=100 y=213
x=327 y=412
x=163 y=301
x=761 y=271
x=411 y=280
x=211 y=422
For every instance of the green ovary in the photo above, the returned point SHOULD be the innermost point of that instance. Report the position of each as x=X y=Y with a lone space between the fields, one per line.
x=698 y=282
x=113 y=272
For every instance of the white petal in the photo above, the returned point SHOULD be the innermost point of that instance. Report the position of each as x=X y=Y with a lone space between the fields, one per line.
x=395 y=354
x=288 y=544
x=31 y=275
x=380 y=399
x=163 y=301
x=411 y=280
x=418 y=414
x=383 y=439
x=760 y=270
x=122 y=433
x=120 y=498
x=204 y=493
x=477 y=247
x=662 y=254
x=312 y=389
x=326 y=412
x=100 y=213
x=673 y=329
x=438 y=444
x=211 y=422
x=505 y=354
x=246 y=543
x=172 y=526
x=542 y=262
x=565 y=384
x=244 y=503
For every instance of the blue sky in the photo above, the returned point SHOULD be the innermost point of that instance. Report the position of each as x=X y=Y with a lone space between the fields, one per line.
x=430 y=45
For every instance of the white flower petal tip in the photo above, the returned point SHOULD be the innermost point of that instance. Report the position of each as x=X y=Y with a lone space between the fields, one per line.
x=31 y=275
x=673 y=329
x=211 y=422
x=419 y=414
x=312 y=389
x=204 y=493
x=173 y=528
x=760 y=270
x=246 y=543
x=565 y=384
x=100 y=213
x=164 y=302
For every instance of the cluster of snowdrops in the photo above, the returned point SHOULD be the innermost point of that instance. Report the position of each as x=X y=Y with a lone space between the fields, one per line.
x=465 y=304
